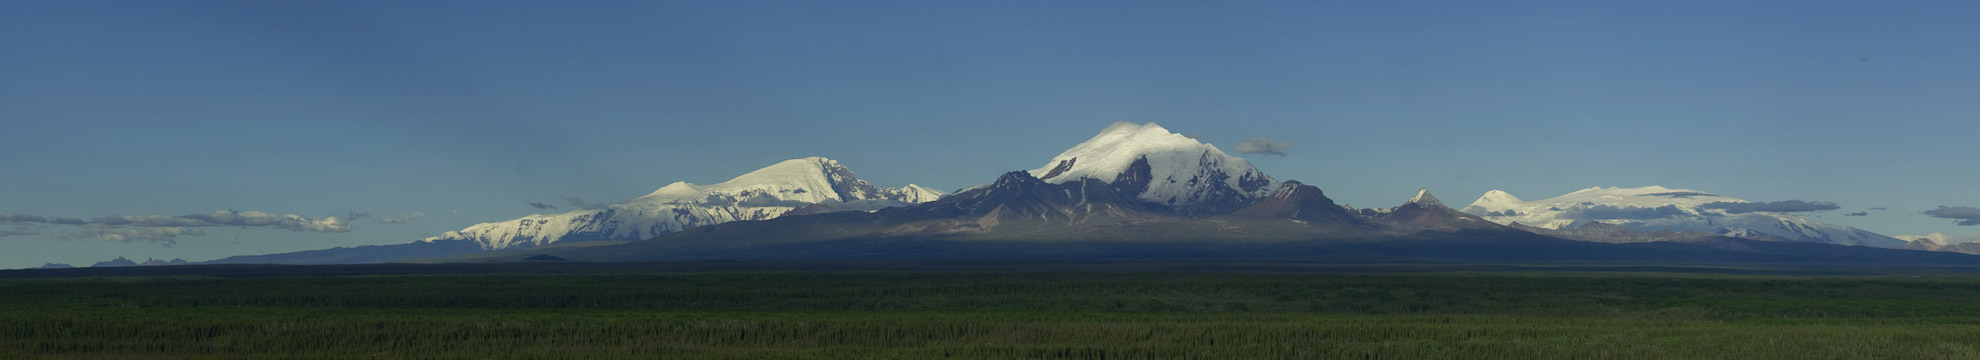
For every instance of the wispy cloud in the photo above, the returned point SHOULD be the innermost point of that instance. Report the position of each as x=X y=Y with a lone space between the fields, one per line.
x=413 y=217
x=291 y=222
x=577 y=202
x=1859 y=213
x=1967 y=215
x=1777 y=206
x=539 y=205
x=1263 y=146
x=165 y=229
x=165 y=236
x=24 y=218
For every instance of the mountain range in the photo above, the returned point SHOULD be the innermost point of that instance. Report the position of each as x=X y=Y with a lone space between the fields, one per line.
x=762 y=194
x=796 y=186
x=1656 y=208
x=1131 y=191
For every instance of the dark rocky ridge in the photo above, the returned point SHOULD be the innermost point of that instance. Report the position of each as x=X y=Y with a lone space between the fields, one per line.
x=1018 y=196
x=1432 y=215
x=1295 y=200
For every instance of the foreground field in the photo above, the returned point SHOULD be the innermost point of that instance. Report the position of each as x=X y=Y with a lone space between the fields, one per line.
x=1117 y=315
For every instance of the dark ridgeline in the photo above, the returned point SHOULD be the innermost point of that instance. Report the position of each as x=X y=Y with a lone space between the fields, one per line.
x=1298 y=201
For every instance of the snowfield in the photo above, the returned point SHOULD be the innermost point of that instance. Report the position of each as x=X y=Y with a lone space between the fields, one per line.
x=1653 y=208
x=762 y=194
x=1185 y=172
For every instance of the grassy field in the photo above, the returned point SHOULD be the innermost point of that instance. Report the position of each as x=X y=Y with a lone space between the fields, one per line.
x=994 y=315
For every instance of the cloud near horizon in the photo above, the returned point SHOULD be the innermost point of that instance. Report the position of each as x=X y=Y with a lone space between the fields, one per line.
x=1967 y=215
x=413 y=217
x=291 y=222
x=1263 y=146
x=1777 y=206
x=164 y=236
x=541 y=206
x=24 y=218
x=165 y=229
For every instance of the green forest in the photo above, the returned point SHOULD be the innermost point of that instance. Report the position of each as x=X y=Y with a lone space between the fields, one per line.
x=994 y=315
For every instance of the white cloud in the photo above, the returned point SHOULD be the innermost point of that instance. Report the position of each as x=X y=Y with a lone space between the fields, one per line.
x=24 y=218
x=402 y=219
x=167 y=236
x=165 y=230
x=1263 y=146
x=291 y=222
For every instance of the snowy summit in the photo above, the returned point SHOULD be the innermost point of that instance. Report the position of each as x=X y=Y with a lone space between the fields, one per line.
x=1160 y=166
x=1423 y=198
x=762 y=194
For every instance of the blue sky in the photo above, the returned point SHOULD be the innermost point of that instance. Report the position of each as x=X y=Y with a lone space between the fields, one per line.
x=466 y=111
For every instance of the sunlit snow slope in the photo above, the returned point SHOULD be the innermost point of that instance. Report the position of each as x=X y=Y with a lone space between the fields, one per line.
x=1181 y=172
x=1654 y=208
x=762 y=194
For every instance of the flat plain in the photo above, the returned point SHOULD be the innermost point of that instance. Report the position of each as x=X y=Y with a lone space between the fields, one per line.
x=1057 y=311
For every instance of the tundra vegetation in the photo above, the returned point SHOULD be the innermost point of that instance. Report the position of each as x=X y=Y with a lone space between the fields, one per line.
x=1002 y=314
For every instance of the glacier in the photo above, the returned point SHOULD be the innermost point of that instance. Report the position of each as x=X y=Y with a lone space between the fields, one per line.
x=1653 y=208
x=762 y=194
x=1181 y=172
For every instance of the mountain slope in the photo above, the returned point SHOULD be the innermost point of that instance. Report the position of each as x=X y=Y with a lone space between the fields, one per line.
x=1297 y=201
x=762 y=194
x=1654 y=208
x=1155 y=165
x=1940 y=242
x=360 y=254
x=1425 y=212
x=1018 y=198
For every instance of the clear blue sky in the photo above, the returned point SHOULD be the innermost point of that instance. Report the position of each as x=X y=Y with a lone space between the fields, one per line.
x=465 y=111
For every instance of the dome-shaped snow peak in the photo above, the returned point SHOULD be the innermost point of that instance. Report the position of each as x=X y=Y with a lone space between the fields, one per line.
x=1179 y=171
x=1493 y=201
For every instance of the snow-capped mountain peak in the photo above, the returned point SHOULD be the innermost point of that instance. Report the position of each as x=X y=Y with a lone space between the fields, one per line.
x=1423 y=198
x=1652 y=208
x=1160 y=166
x=1943 y=239
x=788 y=180
x=920 y=194
x=1493 y=201
x=1425 y=212
x=765 y=193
